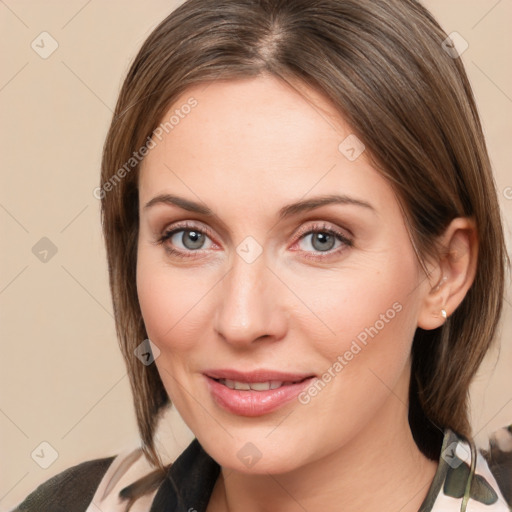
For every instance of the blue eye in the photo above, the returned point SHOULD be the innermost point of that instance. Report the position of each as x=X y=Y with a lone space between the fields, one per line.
x=191 y=239
x=188 y=241
x=322 y=240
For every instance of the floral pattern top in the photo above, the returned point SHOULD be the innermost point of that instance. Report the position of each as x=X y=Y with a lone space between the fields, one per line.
x=466 y=480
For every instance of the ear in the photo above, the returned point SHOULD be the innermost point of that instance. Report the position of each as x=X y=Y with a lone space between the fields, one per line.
x=452 y=274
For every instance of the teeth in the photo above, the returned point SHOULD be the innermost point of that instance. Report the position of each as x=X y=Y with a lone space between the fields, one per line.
x=241 y=385
x=255 y=386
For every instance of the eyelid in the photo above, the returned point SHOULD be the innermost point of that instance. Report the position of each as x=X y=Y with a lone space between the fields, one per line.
x=312 y=227
x=186 y=225
x=321 y=226
x=324 y=227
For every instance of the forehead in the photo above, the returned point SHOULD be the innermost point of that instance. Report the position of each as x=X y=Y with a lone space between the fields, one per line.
x=256 y=110
x=255 y=138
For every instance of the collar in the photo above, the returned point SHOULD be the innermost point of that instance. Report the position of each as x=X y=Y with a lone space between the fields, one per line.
x=189 y=482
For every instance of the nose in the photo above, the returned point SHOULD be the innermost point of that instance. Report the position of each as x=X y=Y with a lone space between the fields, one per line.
x=249 y=306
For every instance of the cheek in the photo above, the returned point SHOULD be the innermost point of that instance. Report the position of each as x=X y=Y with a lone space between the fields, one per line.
x=165 y=299
x=359 y=301
x=162 y=296
x=153 y=299
x=374 y=322
x=365 y=320
x=173 y=301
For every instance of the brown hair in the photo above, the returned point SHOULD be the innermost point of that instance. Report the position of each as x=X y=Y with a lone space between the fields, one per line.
x=383 y=67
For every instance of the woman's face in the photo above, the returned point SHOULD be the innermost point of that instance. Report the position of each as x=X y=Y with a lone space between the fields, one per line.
x=253 y=289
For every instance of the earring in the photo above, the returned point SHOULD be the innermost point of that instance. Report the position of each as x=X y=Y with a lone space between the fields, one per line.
x=443 y=313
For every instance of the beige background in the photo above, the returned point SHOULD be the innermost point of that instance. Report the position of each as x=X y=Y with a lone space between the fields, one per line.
x=62 y=377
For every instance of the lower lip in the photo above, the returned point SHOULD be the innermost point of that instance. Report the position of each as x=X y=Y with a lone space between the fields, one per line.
x=254 y=403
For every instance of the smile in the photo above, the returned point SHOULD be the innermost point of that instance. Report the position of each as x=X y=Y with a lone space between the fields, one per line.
x=254 y=393
x=255 y=386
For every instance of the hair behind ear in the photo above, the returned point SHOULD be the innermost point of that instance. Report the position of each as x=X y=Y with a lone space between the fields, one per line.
x=427 y=435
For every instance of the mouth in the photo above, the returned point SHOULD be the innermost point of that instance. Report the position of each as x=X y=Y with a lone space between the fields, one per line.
x=257 y=386
x=254 y=393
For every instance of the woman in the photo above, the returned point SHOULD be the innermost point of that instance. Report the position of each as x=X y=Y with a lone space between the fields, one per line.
x=306 y=257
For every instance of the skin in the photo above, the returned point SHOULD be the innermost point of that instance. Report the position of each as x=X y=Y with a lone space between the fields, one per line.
x=247 y=149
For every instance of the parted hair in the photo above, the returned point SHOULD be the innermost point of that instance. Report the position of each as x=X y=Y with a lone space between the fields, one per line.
x=384 y=68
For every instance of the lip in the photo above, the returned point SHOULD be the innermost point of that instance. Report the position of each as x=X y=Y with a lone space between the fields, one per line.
x=255 y=403
x=261 y=375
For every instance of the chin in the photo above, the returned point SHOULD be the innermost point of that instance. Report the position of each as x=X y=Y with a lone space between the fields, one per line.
x=255 y=457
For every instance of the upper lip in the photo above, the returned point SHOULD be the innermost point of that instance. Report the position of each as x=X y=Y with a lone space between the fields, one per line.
x=260 y=375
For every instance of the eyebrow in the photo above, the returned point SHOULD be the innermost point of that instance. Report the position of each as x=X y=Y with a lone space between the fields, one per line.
x=286 y=211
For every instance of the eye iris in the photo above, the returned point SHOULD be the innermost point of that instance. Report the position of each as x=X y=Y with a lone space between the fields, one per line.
x=321 y=241
x=196 y=238
x=323 y=238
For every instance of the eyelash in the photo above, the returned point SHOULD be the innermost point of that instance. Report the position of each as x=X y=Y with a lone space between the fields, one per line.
x=315 y=228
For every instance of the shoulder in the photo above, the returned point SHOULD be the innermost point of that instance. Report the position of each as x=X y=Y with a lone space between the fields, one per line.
x=107 y=484
x=68 y=491
x=467 y=476
x=499 y=460
x=129 y=480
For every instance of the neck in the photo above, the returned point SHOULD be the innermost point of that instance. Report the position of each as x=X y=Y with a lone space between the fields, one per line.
x=381 y=468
